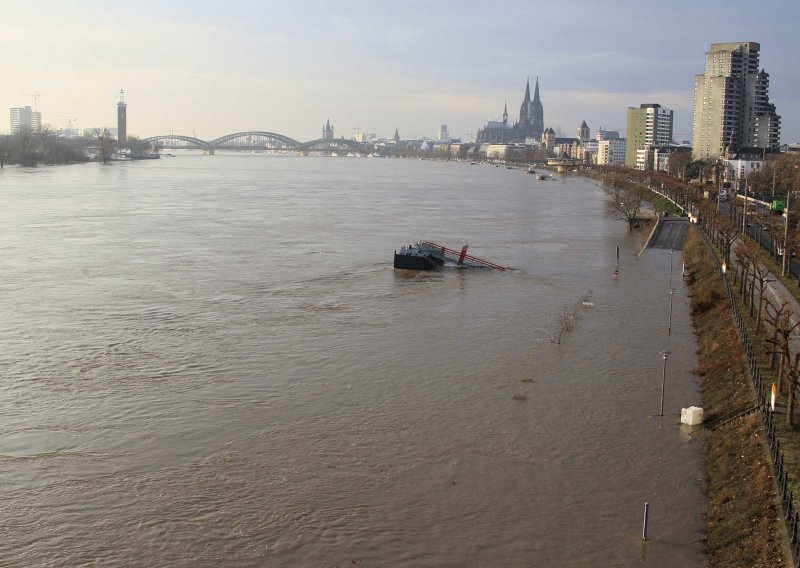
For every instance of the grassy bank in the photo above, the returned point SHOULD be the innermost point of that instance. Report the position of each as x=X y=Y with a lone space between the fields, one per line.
x=742 y=525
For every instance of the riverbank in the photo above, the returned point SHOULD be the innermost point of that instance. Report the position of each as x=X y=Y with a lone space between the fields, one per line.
x=743 y=527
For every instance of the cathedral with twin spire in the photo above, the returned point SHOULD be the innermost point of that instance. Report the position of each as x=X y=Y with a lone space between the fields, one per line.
x=529 y=126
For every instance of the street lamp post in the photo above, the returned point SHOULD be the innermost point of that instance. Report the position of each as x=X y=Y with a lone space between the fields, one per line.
x=744 y=209
x=664 y=354
x=671 y=254
x=784 y=262
x=671 y=294
x=786 y=267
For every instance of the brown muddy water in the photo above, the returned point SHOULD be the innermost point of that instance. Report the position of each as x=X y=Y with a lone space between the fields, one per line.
x=210 y=361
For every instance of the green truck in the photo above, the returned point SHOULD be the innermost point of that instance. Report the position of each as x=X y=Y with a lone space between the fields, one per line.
x=777 y=206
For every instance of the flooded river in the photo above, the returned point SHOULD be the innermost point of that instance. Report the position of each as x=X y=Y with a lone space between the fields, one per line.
x=210 y=360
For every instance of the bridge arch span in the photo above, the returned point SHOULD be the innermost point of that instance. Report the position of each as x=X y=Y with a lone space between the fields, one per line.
x=186 y=140
x=253 y=137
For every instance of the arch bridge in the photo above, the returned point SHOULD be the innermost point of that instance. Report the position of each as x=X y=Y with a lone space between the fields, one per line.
x=257 y=140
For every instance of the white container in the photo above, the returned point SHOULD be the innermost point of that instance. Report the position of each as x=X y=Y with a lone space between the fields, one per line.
x=692 y=416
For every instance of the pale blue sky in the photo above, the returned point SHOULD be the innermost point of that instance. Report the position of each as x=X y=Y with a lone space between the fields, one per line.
x=225 y=66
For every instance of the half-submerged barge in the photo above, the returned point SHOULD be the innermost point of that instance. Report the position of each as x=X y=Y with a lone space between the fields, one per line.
x=427 y=255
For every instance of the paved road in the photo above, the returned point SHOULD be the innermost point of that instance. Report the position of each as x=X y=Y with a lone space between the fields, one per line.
x=670 y=234
x=755 y=229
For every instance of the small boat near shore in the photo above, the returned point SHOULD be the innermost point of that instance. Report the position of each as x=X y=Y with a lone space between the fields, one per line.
x=427 y=255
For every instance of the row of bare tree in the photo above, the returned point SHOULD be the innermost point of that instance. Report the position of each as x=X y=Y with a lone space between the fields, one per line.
x=751 y=273
x=28 y=147
x=778 y=321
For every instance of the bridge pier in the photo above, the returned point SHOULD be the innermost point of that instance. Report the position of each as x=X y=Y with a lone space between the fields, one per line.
x=208 y=152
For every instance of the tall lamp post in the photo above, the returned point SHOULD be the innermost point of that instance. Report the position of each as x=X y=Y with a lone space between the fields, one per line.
x=744 y=209
x=671 y=293
x=784 y=262
x=671 y=254
x=664 y=354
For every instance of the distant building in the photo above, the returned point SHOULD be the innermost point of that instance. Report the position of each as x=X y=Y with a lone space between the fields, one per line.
x=606 y=134
x=648 y=125
x=442 y=135
x=327 y=130
x=660 y=155
x=122 y=119
x=740 y=164
x=529 y=127
x=611 y=152
x=731 y=103
x=25 y=117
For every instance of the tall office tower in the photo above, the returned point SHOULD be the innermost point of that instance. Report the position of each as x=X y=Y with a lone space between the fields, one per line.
x=648 y=125
x=25 y=116
x=122 y=119
x=442 y=135
x=731 y=103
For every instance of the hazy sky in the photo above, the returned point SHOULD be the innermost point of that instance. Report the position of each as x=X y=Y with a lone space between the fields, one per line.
x=214 y=68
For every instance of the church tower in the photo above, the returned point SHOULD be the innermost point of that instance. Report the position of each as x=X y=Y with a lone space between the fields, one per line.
x=525 y=108
x=327 y=131
x=537 y=114
x=531 y=117
x=505 y=113
x=583 y=132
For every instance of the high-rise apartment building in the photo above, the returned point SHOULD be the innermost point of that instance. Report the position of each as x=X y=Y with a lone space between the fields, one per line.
x=731 y=103
x=648 y=125
x=27 y=117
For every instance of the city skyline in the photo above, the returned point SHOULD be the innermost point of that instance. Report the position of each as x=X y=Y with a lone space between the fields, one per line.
x=213 y=69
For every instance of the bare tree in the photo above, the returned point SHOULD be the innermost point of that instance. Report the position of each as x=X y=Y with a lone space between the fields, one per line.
x=726 y=233
x=26 y=146
x=761 y=276
x=628 y=197
x=794 y=374
x=6 y=144
x=47 y=138
x=106 y=142
x=781 y=320
x=744 y=254
x=678 y=161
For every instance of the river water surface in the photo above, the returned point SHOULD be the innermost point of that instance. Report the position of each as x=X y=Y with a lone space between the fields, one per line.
x=209 y=360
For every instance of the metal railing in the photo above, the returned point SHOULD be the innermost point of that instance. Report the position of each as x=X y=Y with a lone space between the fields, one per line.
x=791 y=515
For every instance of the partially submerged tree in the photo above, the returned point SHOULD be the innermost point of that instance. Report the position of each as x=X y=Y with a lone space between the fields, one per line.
x=6 y=144
x=25 y=143
x=47 y=141
x=628 y=197
x=106 y=143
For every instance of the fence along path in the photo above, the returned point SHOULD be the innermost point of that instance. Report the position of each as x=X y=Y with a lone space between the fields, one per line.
x=791 y=515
